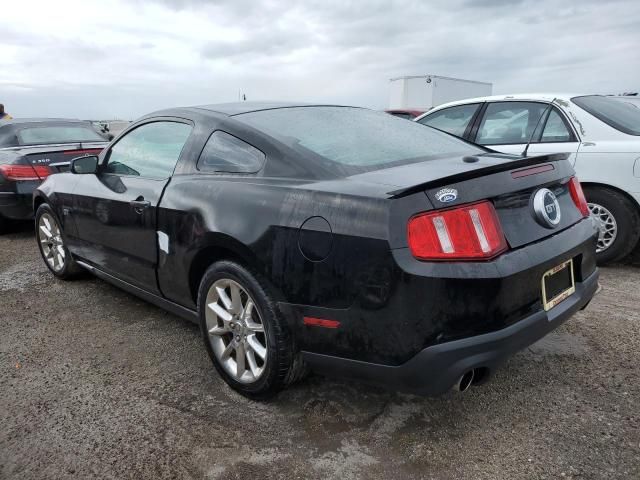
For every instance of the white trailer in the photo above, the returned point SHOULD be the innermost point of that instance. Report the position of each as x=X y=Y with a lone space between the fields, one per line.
x=427 y=91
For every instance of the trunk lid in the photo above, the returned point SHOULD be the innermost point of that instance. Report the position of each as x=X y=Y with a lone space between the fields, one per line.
x=513 y=200
x=58 y=157
x=509 y=182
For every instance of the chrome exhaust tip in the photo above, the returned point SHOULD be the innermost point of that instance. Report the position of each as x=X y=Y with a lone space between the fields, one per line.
x=465 y=381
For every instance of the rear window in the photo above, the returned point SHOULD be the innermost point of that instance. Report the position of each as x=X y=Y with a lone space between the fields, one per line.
x=619 y=115
x=355 y=138
x=57 y=134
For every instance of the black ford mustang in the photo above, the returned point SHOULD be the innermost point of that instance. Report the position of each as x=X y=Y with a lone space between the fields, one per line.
x=338 y=239
x=32 y=149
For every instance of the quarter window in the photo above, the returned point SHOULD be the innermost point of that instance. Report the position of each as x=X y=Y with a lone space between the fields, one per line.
x=226 y=153
x=555 y=130
x=453 y=120
x=151 y=150
x=509 y=122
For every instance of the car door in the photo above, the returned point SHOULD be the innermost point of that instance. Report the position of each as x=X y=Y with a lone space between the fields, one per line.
x=508 y=126
x=115 y=210
x=454 y=120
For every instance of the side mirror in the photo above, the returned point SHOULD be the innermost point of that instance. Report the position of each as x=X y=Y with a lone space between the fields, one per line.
x=84 y=165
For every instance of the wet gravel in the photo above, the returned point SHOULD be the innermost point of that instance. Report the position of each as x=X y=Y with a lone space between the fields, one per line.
x=95 y=383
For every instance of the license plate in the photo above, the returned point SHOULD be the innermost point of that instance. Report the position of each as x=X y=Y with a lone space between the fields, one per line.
x=557 y=284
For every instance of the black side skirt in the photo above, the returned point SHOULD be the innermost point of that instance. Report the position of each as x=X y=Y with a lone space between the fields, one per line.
x=163 y=303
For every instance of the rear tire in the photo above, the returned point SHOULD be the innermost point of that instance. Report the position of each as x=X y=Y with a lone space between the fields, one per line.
x=244 y=333
x=52 y=245
x=619 y=223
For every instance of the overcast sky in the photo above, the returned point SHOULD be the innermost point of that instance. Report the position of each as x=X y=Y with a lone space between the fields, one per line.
x=121 y=59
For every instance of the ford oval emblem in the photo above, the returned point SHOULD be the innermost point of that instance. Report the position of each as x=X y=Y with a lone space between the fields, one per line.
x=546 y=208
x=446 y=195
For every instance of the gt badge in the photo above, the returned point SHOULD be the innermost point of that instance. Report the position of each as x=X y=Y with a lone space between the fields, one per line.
x=546 y=208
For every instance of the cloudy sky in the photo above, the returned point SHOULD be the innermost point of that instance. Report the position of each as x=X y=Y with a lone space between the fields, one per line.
x=121 y=59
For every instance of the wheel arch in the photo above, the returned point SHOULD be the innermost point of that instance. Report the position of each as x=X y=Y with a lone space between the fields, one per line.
x=215 y=247
x=38 y=199
x=622 y=192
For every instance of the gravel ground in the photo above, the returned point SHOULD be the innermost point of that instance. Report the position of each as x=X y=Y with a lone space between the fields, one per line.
x=95 y=383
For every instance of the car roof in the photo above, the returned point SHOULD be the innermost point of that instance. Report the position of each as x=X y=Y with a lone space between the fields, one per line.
x=540 y=97
x=543 y=97
x=237 y=108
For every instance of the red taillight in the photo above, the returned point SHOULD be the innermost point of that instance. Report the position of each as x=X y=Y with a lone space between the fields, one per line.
x=42 y=171
x=25 y=172
x=468 y=232
x=578 y=196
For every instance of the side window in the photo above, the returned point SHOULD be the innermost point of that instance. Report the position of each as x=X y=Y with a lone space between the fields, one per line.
x=555 y=129
x=509 y=122
x=453 y=120
x=151 y=150
x=226 y=153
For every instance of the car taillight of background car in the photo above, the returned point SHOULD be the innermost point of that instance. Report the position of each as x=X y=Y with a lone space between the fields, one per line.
x=25 y=172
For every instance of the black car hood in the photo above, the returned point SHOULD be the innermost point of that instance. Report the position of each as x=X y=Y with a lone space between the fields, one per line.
x=406 y=179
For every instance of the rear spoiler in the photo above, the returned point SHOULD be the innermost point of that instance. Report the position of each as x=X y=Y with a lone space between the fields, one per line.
x=479 y=172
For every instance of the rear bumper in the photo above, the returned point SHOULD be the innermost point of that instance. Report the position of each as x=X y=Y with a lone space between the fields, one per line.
x=18 y=205
x=437 y=368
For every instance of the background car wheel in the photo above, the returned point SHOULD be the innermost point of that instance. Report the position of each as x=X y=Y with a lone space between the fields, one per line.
x=618 y=222
x=50 y=240
x=3 y=225
x=246 y=337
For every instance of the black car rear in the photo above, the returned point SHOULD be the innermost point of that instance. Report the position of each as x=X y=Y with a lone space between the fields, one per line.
x=33 y=149
x=339 y=238
x=462 y=311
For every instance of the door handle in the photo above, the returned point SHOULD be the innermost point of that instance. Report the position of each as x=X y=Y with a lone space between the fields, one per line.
x=140 y=204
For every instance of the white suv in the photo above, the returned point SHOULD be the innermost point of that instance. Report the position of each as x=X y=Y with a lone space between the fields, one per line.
x=601 y=134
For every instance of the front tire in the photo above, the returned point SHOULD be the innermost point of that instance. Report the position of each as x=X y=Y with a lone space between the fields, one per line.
x=618 y=223
x=51 y=244
x=245 y=335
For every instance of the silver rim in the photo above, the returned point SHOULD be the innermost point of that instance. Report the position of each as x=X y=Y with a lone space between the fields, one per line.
x=607 y=226
x=236 y=331
x=51 y=242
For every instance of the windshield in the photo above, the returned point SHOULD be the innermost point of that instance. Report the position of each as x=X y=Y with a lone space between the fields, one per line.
x=619 y=115
x=58 y=134
x=356 y=138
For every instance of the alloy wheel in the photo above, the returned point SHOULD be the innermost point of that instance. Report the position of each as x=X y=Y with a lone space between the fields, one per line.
x=51 y=242
x=607 y=226
x=235 y=331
